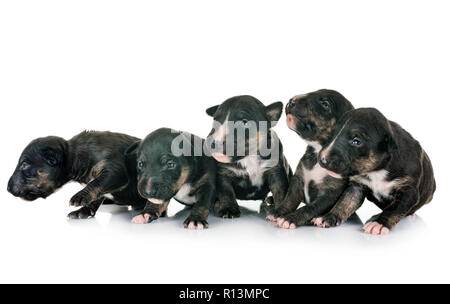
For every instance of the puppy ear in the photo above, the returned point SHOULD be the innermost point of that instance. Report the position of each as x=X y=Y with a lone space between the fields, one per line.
x=389 y=144
x=131 y=149
x=274 y=110
x=212 y=111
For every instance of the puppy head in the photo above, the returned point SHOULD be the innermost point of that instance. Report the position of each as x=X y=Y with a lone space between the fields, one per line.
x=241 y=126
x=40 y=169
x=313 y=115
x=362 y=142
x=160 y=171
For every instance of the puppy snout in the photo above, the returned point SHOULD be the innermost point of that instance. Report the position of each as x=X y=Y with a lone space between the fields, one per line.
x=150 y=190
x=324 y=161
x=13 y=188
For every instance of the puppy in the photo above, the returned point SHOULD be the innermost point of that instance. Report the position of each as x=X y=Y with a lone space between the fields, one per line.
x=312 y=116
x=96 y=159
x=250 y=155
x=172 y=164
x=384 y=163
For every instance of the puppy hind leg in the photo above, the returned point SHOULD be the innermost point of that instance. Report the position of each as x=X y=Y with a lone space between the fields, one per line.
x=404 y=201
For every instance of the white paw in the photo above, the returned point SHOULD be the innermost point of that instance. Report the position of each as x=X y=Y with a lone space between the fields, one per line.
x=319 y=222
x=282 y=223
x=141 y=219
x=271 y=218
x=375 y=228
x=192 y=226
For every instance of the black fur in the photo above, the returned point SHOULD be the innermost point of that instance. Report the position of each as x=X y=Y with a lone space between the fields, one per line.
x=242 y=173
x=163 y=174
x=96 y=159
x=312 y=116
x=367 y=145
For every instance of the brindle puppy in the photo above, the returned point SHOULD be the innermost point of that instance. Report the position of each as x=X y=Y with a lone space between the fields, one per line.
x=384 y=163
x=250 y=155
x=171 y=164
x=96 y=159
x=312 y=116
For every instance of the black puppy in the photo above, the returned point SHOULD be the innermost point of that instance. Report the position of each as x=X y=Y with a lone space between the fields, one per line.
x=172 y=164
x=250 y=155
x=96 y=159
x=384 y=163
x=312 y=116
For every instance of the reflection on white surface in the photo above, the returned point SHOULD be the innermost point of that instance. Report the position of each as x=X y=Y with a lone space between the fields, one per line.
x=248 y=249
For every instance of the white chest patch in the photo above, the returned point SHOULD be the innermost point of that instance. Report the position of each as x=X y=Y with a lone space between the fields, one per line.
x=183 y=195
x=254 y=168
x=316 y=175
x=377 y=182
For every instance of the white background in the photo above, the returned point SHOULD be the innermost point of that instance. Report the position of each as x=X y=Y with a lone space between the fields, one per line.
x=134 y=66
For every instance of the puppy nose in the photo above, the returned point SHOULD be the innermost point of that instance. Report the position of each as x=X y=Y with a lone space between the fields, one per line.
x=10 y=186
x=151 y=192
x=324 y=161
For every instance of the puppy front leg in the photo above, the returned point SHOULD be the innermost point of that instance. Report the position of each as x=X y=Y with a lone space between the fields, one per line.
x=351 y=199
x=87 y=211
x=305 y=214
x=106 y=181
x=291 y=201
x=278 y=185
x=200 y=210
x=226 y=205
x=150 y=213
x=404 y=201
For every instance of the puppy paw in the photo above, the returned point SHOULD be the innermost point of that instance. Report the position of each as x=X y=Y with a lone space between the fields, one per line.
x=326 y=221
x=286 y=222
x=230 y=210
x=375 y=228
x=145 y=217
x=276 y=214
x=81 y=199
x=80 y=214
x=195 y=223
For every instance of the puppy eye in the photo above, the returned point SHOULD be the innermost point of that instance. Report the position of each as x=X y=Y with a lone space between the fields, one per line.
x=52 y=162
x=25 y=166
x=140 y=164
x=356 y=141
x=325 y=104
x=170 y=164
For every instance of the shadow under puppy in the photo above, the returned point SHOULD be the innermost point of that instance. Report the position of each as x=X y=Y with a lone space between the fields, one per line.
x=384 y=163
x=96 y=159
x=250 y=155
x=312 y=116
x=172 y=164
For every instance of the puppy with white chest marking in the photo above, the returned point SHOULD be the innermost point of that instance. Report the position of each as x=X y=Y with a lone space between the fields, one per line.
x=171 y=164
x=250 y=155
x=312 y=116
x=384 y=163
